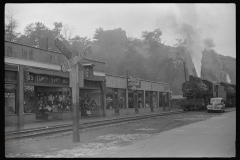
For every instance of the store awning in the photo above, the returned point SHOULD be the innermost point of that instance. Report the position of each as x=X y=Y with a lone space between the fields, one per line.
x=61 y=74
x=48 y=72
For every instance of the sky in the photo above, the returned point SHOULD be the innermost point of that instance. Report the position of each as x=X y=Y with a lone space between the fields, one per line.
x=196 y=22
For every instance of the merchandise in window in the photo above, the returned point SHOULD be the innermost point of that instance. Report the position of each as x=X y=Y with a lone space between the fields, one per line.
x=29 y=99
x=10 y=99
x=53 y=99
x=121 y=98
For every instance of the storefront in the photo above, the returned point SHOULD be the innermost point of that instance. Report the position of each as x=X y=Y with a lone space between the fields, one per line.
x=11 y=85
x=91 y=96
x=46 y=94
x=90 y=101
x=115 y=98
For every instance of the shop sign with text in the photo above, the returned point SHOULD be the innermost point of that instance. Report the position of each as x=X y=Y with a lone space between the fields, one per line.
x=134 y=82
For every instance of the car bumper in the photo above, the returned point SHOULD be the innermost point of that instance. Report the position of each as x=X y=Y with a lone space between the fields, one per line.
x=215 y=109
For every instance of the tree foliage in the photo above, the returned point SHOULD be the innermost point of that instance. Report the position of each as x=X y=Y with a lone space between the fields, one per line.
x=11 y=25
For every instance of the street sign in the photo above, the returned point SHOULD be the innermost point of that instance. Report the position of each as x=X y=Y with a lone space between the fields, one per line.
x=63 y=48
x=71 y=62
x=134 y=82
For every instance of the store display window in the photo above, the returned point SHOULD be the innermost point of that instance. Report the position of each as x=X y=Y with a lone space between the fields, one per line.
x=147 y=99
x=109 y=98
x=165 y=99
x=53 y=99
x=140 y=99
x=89 y=100
x=121 y=98
x=29 y=99
x=10 y=99
x=154 y=99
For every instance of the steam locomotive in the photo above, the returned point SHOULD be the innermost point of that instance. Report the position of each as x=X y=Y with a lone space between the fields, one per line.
x=198 y=92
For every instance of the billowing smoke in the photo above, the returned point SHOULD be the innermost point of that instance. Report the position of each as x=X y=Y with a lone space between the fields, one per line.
x=187 y=24
x=228 y=78
x=208 y=43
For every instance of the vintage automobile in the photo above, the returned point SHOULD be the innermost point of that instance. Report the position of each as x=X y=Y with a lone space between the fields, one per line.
x=216 y=104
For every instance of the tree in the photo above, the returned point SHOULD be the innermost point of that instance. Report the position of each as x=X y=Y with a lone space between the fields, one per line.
x=57 y=28
x=78 y=44
x=11 y=25
x=37 y=34
x=153 y=39
x=133 y=62
x=67 y=32
x=109 y=46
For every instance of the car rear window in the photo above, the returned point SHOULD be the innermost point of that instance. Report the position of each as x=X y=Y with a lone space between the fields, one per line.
x=215 y=101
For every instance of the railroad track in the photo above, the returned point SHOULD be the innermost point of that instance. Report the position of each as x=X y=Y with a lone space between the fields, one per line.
x=26 y=133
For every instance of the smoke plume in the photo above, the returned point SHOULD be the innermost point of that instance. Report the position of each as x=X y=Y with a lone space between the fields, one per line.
x=208 y=43
x=186 y=23
x=228 y=78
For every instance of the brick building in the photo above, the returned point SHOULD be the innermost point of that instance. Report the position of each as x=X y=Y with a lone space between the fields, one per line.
x=36 y=89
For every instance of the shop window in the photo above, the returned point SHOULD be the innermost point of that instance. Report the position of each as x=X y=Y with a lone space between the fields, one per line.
x=10 y=99
x=29 y=99
x=165 y=101
x=121 y=98
x=10 y=76
x=154 y=99
x=89 y=100
x=147 y=101
x=65 y=100
x=160 y=99
x=109 y=98
x=53 y=99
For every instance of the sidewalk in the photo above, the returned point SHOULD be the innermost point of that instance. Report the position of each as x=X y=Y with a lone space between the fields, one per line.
x=214 y=137
x=63 y=122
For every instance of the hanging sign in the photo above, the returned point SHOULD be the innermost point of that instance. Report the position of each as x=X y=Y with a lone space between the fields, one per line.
x=166 y=88
x=63 y=48
x=9 y=86
x=73 y=61
x=55 y=80
x=134 y=82
x=42 y=79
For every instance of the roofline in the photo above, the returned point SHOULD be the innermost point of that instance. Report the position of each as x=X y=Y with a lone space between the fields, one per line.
x=139 y=78
x=49 y=50
x=33 y=47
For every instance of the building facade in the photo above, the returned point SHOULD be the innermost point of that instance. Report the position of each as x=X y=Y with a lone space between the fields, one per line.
x=37 y=90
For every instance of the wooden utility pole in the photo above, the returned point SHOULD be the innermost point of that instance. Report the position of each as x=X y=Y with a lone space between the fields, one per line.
x=74 y=77
x=76 y=81
x=127 y=91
